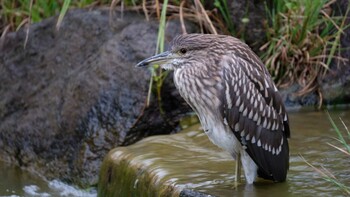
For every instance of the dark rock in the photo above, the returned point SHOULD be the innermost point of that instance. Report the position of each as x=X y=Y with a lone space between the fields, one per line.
x=294 y=101
x=252 y=31
x=192 y=193
x=335 y=86
x=71 y=95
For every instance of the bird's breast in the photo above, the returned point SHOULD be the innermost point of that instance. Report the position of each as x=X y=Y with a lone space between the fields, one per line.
x=199 y=89
x=201 y=94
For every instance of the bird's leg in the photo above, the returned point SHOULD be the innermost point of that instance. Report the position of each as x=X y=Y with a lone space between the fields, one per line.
x=238 y=170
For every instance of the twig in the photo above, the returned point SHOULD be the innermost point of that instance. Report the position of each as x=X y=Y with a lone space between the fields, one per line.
x=183 y=27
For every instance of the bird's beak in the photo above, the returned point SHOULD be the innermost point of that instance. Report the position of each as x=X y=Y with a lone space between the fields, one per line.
x=157 y=59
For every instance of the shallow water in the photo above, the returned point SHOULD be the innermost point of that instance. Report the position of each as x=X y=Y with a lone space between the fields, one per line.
x=311 y=131
x=189 y=160
x=17 y=182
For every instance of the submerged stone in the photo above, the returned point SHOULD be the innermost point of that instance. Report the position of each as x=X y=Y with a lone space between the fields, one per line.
x=183 y=164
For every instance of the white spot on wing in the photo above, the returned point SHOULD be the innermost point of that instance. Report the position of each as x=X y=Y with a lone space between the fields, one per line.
x=253 y=140
x=236 y=127
x=266 y=83
x=245 y=112
x=228 y=97
x=238 y=101
x=255 y=118
x=266 y=93
x=241 y=107
x=265 y=122
x=255 y=103
x=225 y=121
x=261 y=86
x=268 y=125
x=250 y=116
x=247 y=137
x=259 y=120
x=261 y=106
x=259 y=143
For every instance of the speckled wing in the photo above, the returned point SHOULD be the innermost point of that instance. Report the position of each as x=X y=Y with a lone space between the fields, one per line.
x=252 y=107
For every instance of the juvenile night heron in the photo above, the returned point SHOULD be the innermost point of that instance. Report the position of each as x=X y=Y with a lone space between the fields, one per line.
x=235 y=99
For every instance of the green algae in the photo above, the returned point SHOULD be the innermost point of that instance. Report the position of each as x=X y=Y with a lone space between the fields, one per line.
x=163 y=165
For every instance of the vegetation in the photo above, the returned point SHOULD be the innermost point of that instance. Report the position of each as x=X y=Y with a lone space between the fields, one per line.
x=15 y=14
x=159 y=77
x=344 y=141
x=303 y=36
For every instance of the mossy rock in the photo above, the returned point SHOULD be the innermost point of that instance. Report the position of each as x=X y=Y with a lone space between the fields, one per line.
x=183 y=164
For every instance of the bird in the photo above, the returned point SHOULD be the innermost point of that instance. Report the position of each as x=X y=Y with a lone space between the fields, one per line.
x=237 y=102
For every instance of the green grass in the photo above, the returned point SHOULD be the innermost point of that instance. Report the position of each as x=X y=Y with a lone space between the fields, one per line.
x=225 y=13
x=19 y=12
x=158 y=75
x=343 y=138
x=303 y=39
x=16 y=13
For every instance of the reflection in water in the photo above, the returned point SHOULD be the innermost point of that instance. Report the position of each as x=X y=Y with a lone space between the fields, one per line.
x=189 y=160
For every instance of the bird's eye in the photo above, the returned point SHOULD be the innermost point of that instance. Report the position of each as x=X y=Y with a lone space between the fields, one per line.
x=183 y=50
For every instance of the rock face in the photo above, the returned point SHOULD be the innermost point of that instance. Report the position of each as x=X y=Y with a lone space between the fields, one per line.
x=248 y=18
x=71 y=95
x=335 y=87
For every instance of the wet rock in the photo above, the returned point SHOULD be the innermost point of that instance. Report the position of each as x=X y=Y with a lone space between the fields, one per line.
x=183 y=164
x=192 y=193
x=71 y=95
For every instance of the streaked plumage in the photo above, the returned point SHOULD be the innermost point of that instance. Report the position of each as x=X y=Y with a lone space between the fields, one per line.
x=235 y=99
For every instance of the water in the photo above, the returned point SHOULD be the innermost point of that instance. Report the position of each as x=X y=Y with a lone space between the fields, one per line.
x=311 y=133
x=16 y=182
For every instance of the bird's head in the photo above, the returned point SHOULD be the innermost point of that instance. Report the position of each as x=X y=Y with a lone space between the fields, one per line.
x=186 y=50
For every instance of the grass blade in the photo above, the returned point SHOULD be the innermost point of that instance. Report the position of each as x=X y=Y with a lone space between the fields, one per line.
x=63 y=12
